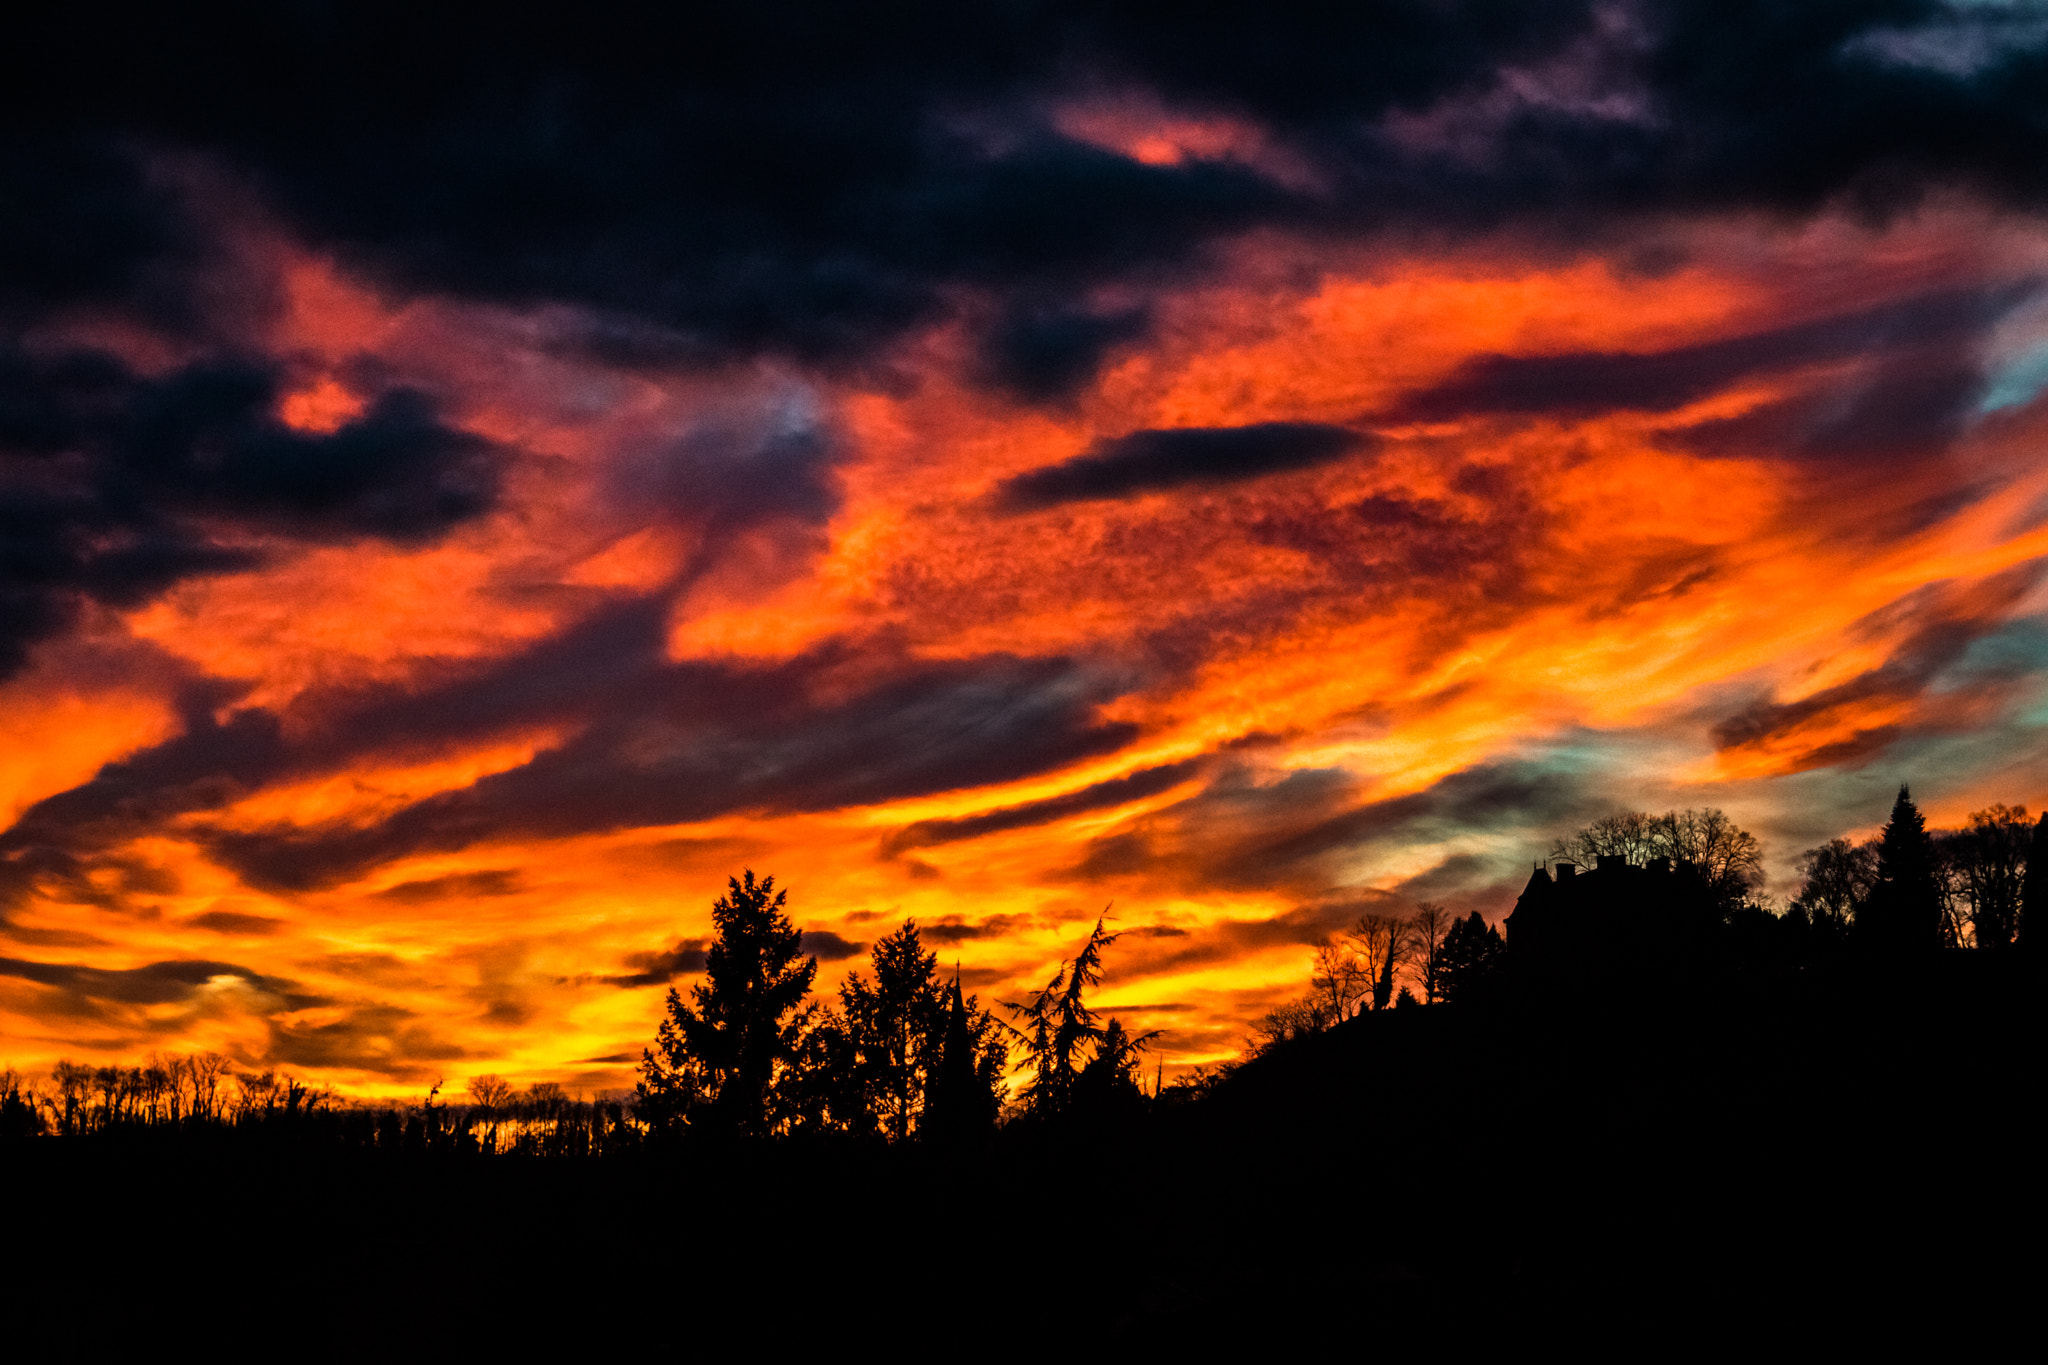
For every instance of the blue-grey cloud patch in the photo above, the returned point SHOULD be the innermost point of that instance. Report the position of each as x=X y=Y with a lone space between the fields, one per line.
x=1934 y=325
x=1961 y=38
x=1306 y=830
x=1930 y=674
x=1178 y=457
x=768 y=460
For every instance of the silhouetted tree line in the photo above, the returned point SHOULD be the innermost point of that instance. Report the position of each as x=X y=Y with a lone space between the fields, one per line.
x=1912 y=890
x=203 y=1093
x=1975 y=887
x=1604 y=1105
x=1431 y=951
x=903 y=1057
x=1631 y=902
x=1638 y=900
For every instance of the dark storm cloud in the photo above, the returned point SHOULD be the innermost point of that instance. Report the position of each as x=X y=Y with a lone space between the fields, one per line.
x=84 y=226
x=233 y=923
x=812 y=179
x=746 y=176
x=454 y=886
x=1659 y=381
x=711 y=740
x=1475 y=548
x=53 y=849
x=107 y=479
x=368 y=1037
x=653 y=742
x=1041 y=351
x=1146 y=461
x=158 y=983
x=688 y=958
x=1896 y=408
x=827 y=946
x=658 y=969
x=956 y=929
x=1097 y=796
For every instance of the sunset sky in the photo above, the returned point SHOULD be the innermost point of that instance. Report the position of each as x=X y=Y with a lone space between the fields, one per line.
x=468 y=486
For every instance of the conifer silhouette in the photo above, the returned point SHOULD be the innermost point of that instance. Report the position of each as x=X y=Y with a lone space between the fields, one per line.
x=1472 y=952
x=893 y=1026
x=721 y=1058
x=963 y=1096
x=1060 y=1031
x=1904 y=912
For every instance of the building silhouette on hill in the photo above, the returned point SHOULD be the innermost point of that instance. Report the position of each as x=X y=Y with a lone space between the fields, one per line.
x=1588 y=921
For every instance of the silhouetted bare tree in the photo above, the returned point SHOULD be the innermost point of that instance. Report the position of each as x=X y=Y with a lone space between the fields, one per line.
x=1839 y=876
x=21 y=1109
x=1726 y=857
x=1295 y=1019
x=1989 y=863
x=205 y=1073
x=1383 y=944
x=1632 y=836
x=1340 y=979
x=1429 y=924
x=489 y=1095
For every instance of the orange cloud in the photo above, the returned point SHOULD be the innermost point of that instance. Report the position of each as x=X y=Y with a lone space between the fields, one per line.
x=785 y=620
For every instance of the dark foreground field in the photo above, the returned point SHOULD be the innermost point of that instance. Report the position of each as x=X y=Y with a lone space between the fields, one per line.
x=1849 y=1154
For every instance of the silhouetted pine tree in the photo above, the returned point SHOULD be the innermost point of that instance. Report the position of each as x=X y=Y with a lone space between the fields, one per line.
x=1904 y=913
x=894 y=1026
x=958 y=1109
x=1471 y=954
x=1063 y=1038
x=721 y=1058
x=964 y=1095
x=1107 y=1087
